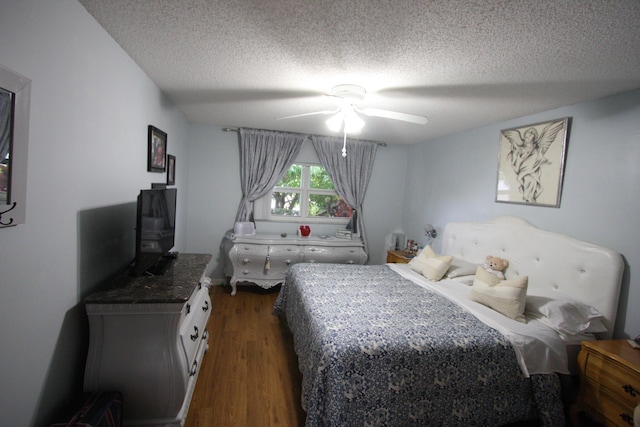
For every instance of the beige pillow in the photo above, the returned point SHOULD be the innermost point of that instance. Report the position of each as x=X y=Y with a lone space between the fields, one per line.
x=417 y=261
x=431 y=265
x=508 y=297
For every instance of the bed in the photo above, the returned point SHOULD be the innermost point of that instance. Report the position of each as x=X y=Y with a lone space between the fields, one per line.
x=384 y=345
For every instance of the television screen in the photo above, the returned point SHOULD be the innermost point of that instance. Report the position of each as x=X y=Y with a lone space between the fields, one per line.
x=155 y=230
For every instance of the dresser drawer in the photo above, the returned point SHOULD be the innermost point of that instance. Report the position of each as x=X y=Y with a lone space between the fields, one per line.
x=249 y=249
x=324 y=254
x=617 y=379
x=187 y=309
x=193 y=329
x=250 y=256
x=284 y=256
x=274 y=273
x=608 y=405
x=609 y=382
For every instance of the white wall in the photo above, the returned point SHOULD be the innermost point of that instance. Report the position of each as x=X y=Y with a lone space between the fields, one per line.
x=90 y=107
x=454 y=179
x=214 y=191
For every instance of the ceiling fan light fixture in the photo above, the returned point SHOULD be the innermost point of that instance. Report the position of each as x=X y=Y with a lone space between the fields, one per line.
x=334 y=123
x=346 y=121
x=353 y=123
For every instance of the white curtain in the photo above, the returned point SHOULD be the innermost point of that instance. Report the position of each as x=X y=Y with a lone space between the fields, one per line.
x=265 y=156
x=350 y=175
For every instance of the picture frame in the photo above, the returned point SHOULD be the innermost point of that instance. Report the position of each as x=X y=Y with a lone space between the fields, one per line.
x=157 y=150
x=171 y=169
x=531 y=162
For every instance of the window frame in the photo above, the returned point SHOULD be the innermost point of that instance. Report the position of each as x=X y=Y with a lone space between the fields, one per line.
x=262 y=206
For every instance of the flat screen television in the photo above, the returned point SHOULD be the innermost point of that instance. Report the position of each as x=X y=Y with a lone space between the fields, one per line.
x=155 y=231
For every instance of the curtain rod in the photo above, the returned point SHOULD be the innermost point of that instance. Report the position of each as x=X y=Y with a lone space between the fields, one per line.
x=382 y=144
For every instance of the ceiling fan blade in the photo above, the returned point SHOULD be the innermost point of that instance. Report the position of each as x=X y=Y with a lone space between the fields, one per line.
x=220 y=96
x=395 y=115
x=315 y=113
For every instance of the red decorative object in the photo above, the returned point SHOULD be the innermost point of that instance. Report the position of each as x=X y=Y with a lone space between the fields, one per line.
x=305 y=230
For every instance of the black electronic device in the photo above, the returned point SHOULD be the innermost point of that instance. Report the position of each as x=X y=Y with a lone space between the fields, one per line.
x=155 y=231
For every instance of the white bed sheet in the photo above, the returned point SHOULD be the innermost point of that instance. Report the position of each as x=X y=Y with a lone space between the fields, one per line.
x=539 y=349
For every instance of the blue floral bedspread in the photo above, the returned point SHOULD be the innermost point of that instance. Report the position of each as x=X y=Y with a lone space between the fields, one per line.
x=376 y=349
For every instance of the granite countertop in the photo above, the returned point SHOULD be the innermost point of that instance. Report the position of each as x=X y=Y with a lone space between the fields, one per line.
x=174 y=286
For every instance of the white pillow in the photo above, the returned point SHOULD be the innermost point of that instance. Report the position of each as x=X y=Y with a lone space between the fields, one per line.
x=565 y=315
x=460 y=267
x=431 y=265
x=504 y=296
x=465 y=280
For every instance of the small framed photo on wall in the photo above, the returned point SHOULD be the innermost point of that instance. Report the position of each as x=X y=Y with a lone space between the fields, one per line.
x=157 y=148
x=531 y=163
x=171 y=169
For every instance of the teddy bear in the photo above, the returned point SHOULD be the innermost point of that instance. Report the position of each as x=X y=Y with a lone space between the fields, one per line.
x=496 y=266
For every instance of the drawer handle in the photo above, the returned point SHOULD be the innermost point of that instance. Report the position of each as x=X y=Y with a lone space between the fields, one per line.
x=313 y=250
x=289 y=249
x=629 y=389
x=205 y=308
x=205 y=335
x=288 y=261
x=627 y=418
x=246 y=261
x=194 y=368
x=196 y=335
x=350 y=261
x=312 y=261
x=188 y=308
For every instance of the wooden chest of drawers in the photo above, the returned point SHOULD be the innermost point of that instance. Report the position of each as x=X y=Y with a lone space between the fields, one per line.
x=399 y=257
x=609 y=381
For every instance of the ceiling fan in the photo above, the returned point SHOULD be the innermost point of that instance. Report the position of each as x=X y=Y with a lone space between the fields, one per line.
x=349 y=97
x=346 y=118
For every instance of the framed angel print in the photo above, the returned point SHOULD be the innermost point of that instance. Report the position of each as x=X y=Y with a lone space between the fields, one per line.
x=531 y=163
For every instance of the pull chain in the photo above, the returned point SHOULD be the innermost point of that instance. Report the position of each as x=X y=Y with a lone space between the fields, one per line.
x=344 y=146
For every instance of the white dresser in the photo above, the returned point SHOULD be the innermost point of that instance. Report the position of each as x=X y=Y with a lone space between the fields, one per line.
x=264 y=259
x=147 y=340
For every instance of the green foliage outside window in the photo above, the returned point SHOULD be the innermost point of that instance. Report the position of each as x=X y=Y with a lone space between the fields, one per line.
x=292 y=178
x=320 y=178
x=322 y=198
x=321 y=205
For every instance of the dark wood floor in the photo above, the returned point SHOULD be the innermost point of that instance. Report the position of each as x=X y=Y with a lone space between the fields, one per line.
x=249 y=375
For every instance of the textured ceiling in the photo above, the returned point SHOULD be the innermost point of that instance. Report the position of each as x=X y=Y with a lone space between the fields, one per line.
x=463 y=64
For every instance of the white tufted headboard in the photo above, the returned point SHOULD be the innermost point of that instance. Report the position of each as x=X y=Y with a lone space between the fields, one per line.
x=556 y=264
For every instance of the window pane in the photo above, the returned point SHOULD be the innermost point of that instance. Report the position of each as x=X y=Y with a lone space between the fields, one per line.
x=285 y=203
x=322 y=205
x=320 y=178
x=292 y=178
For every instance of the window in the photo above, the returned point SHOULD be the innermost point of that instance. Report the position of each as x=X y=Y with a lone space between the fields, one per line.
x=305 y=193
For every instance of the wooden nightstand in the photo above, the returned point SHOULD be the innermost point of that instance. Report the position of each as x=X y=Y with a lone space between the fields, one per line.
x=609 y=382
x=399 y=257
